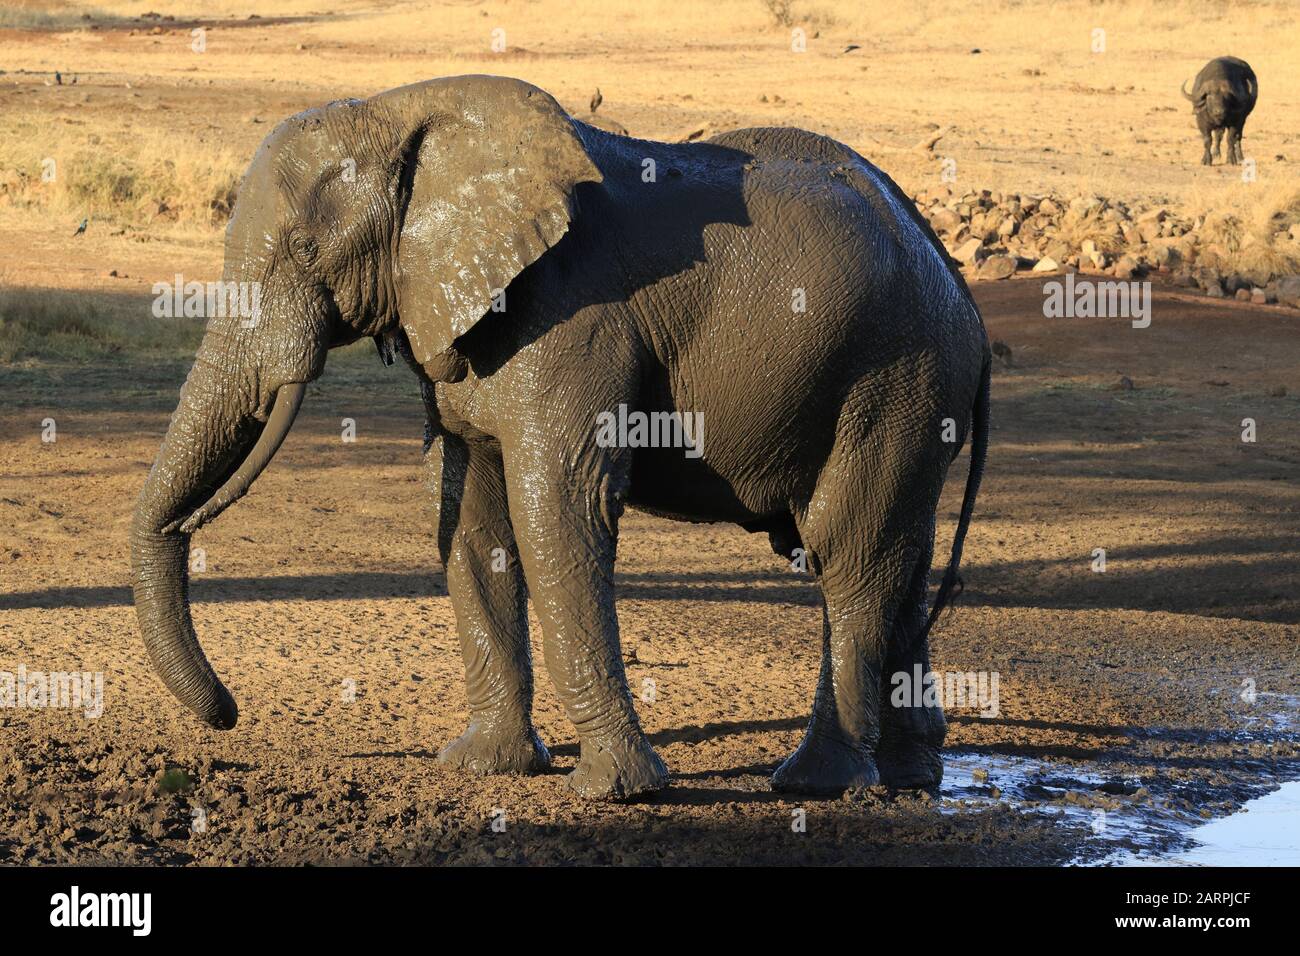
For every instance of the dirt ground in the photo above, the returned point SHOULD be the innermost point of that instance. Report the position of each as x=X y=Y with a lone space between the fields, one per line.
x=325 y=585
x=1036 y=95
x=322 y=605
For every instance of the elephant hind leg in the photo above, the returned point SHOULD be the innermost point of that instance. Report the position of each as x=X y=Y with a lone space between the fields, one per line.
x=869 y=529
x=911 y=731
x=478 y=551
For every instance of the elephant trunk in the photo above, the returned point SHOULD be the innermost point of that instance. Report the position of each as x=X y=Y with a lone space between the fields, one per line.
x=158 y=573
x=214 y=448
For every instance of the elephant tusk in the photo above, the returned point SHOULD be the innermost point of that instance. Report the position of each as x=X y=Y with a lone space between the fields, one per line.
x=288 y=399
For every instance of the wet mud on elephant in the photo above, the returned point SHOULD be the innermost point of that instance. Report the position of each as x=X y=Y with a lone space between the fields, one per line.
x=538 y=274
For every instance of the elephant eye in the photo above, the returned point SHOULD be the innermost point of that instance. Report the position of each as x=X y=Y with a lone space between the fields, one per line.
x=303 y=247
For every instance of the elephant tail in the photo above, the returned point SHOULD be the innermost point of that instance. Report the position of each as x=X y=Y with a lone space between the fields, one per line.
x=979 y=446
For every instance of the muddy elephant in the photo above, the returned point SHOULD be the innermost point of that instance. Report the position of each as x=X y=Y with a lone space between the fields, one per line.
x=1223 y=95
x=768 y=301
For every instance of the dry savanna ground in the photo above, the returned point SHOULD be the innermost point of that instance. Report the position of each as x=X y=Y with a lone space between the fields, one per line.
x=321 y=601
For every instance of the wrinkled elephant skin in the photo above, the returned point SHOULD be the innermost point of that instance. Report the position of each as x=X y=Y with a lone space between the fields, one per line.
x=755 y=329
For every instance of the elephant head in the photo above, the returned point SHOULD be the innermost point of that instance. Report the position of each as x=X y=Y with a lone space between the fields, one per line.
x=405 y=211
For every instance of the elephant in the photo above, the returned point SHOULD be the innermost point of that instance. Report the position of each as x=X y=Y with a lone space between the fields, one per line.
x=541 y=276
x=1222 y=96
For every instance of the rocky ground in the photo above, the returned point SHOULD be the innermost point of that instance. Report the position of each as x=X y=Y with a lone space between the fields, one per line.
x=994 y=236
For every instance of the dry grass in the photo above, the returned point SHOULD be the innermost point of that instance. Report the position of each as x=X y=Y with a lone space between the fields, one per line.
x=154 y=136
x=1036 y=110
x=48 y=325
x=1081 y=224
x=1246 y=228
x=44 y=15
x=146 y=180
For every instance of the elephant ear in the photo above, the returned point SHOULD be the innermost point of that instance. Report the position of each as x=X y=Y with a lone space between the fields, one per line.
x=486 y=182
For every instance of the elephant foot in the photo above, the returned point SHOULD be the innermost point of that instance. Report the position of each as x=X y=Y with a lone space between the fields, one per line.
x=622 y=770
x=908 y=755
x=484 y=748
x=825 y=766
x=910 y=765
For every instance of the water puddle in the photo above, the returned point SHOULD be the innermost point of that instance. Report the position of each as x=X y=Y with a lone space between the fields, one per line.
x=1132 y=821
x=1265 y=832
x=1120 y=813
x=1280 y=713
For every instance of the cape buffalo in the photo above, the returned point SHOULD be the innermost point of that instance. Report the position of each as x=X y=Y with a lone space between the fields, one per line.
x=1222 y=97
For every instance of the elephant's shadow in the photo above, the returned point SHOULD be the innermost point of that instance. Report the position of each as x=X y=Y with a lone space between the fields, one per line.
x=689 y=734
x=1116 y=742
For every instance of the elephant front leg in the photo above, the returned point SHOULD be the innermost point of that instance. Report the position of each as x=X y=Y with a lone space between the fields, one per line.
x=566 y=515
x=486 y=582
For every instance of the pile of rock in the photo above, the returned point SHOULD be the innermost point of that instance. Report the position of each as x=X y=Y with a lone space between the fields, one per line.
x=994 y=235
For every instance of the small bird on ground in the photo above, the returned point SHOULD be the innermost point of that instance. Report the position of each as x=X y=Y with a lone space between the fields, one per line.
x=1002 y=351
x=596 y=100
x=82 y=228
x=58 y=78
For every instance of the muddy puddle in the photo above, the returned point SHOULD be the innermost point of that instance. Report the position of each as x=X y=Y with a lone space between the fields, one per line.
x=1265 y=832
x=1137 y=813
